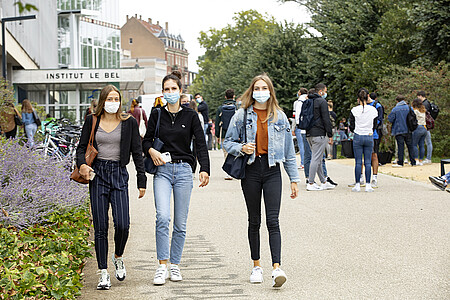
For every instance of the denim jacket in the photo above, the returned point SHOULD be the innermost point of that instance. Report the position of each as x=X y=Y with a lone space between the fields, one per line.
x=281 y=145
x=398 y=117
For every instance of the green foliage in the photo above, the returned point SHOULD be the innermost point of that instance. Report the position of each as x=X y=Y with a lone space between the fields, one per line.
x=436 y=82
x=45 y=261
x=23 y=6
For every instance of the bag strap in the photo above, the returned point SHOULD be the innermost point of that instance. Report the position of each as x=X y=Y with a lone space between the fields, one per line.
x=141 y=115
x=157 y=123
x=245 y=126
x=94 y=124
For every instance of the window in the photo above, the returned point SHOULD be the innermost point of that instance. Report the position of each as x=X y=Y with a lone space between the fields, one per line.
x=131 y=40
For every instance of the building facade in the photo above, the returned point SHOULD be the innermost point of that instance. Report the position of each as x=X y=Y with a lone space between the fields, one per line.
x=145 y=40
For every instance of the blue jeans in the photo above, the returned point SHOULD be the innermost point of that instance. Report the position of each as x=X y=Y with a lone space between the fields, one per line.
x=30 y=131
x=176 y=177
x=419 y=135
x=301 y=148
x=429 y=145
x=403 y=139
x=363 y=144
x=307 y=158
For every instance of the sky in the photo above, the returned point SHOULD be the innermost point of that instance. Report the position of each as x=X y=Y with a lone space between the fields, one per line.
x=188 y=18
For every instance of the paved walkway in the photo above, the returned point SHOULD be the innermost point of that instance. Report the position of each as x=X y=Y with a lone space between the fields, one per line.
x=390 y=244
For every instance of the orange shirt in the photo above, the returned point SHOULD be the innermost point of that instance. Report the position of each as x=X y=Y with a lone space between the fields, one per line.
x=262 y=133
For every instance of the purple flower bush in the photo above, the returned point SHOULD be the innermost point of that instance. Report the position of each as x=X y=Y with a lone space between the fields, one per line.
x=32 y=186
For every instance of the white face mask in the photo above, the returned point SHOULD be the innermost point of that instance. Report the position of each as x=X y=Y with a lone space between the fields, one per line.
x=112 y=107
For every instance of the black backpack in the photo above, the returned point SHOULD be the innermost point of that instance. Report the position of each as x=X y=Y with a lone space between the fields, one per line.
x=306 y=119
x=434 y=110
x=228 y=111
x=411 y=120
x=380 y=126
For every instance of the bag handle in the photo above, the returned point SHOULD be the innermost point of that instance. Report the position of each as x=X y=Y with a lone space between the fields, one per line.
x=245 y=126
x=157 y=124
x=94 y=124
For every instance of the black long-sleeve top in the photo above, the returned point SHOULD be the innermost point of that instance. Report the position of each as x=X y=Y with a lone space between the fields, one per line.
x=130 y=143
x=322 y=124
x=176 y=133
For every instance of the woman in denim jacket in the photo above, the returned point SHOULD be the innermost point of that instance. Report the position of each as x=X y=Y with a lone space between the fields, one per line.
x=269 y=142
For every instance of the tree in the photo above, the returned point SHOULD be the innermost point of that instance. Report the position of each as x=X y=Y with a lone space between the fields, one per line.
x=25 y=6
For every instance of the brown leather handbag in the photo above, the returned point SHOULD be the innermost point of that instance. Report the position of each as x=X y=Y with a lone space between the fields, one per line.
x=90 y=155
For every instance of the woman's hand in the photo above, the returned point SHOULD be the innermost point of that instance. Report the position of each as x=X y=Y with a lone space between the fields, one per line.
x=85 y=170
x=141 y=193
x=156 y=157
x=249 y=148
x=204 y=179
x=294 y=190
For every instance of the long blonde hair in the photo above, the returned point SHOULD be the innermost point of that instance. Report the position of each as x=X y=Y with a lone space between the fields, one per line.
x=272 y=103
x=102 y=99
x=26 y=106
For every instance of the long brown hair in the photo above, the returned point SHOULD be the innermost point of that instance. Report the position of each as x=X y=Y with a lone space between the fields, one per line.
x=417 y=104
x=272 y=103
x=26 y=106
x=102 y=99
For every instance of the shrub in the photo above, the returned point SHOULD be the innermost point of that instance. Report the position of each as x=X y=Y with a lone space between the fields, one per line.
x=45 y=261
x=33 y=186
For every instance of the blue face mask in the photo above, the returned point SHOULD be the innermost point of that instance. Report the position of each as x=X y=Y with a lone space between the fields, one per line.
x=324 y=95
x=198 y=100
x=261 y=96
x=172 y=98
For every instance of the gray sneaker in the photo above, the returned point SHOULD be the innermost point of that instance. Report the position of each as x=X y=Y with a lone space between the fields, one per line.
x=104 y=282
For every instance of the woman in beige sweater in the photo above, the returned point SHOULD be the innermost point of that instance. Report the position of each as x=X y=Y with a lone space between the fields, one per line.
x=419 y=135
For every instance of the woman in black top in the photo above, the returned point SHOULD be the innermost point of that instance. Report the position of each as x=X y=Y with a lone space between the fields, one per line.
x=178 y=125
x=116 y=136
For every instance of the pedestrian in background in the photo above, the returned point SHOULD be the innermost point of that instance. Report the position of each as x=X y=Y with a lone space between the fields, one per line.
x=178 y=125
x=138 y=113
x=420 y=134
x=331 y=148
x=269 y=142
x=204 y=110
x=91 y=109
x=30 y=121
x=400 y=130
x=7 y=123
x=422 y=96
x=299 y=133
x=116 y=136
x=372 y=101
x=318 y=137
x=363 y=121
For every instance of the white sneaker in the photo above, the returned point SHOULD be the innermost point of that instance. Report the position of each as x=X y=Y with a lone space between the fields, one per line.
x=374 y=183
x=278 y=277
x=419 y=163
x=161 y=275
x=104 y=282
x=313 y=187
x=369 y=187
x=257 y=275
x=356 y=188
x=120 y=272
x=397 y=166
x=327 y=186
x=175 y=273
x=426 y=161
x=353 y=184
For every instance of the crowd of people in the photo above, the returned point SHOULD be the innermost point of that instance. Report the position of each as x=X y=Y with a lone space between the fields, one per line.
x=175 y=137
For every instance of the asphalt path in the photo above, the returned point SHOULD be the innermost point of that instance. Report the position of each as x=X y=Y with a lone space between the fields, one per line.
x=393 y=243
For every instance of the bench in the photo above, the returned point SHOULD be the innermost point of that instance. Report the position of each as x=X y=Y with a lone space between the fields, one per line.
x=444 y=162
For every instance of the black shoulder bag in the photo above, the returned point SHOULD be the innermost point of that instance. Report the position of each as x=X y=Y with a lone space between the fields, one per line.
x=235 y=165
x=157 y=145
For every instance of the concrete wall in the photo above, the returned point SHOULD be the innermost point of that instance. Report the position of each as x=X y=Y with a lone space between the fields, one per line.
x=37 y=37
x=145 y=44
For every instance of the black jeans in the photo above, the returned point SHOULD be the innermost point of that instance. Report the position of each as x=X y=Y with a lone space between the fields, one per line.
x=401 y=140
x=11 y=134
x=260 y=179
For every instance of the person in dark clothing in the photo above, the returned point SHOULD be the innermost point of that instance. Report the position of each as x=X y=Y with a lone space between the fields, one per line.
x=318 y=136
x=203 y=109
x=178 y=124
x=116 y=135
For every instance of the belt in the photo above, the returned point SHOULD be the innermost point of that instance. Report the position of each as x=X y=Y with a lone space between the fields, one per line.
x=177 y=161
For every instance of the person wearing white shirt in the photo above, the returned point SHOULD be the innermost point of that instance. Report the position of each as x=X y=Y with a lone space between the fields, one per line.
x=363 y=121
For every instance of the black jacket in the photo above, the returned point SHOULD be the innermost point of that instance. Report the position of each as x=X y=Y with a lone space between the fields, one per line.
x=177 y=135
x=218 y=119
x=427 y=105
x=322 y=125
x=130 y=142
x=204 y=110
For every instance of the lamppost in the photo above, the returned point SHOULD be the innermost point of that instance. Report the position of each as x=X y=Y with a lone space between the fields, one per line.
x=4 y=20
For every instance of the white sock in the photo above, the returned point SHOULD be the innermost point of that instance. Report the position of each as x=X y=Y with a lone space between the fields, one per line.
x=375 y=177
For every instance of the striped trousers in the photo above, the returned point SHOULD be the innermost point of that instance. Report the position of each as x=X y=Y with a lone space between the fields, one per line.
x=110 y=185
